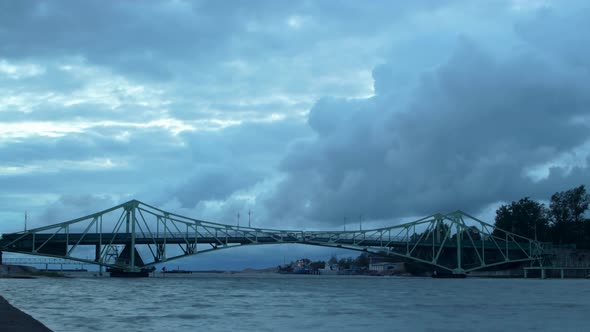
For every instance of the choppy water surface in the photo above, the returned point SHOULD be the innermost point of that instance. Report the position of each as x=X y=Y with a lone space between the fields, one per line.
x=295 y=303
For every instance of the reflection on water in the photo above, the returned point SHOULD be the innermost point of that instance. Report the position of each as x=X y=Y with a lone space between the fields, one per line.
x=251 y=302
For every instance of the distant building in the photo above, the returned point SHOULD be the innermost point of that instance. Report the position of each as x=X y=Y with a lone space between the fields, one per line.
x=302 y=263
x=329 y=270
x=382 y=266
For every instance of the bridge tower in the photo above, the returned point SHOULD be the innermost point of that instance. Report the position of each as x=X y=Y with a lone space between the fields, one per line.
x=129 y=262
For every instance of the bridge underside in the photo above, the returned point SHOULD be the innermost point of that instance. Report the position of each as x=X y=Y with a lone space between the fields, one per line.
x=134 y=237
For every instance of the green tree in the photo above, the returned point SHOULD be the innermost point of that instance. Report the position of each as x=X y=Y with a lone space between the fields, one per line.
x=345 y=263
x=362 y=261
x=567 y=210
x=468 y=234
x=472 y=233
x=525 y=217
x=317 y=265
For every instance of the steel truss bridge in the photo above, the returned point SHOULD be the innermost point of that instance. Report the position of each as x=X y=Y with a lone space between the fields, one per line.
x=134 y=237
x=49 y=261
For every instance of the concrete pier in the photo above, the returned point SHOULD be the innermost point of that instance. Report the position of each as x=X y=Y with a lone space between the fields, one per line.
x=14 y=320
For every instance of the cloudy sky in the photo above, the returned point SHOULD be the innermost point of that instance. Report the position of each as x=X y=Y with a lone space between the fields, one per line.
x=304 y=112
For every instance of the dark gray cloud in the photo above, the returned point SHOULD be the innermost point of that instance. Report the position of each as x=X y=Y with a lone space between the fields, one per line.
x=471 y=130
x=152 y=165
x=233 y=159
x=216 y=182
x=149 y=39
x=69 y=207
x=558 y=33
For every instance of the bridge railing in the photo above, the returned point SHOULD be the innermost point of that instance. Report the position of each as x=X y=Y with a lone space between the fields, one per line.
x=298 y=235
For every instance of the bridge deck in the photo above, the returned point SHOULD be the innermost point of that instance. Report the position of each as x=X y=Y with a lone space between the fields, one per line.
x=125 y=238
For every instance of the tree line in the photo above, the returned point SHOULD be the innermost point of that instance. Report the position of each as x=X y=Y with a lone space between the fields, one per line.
x=563 y=222
x=361 y=263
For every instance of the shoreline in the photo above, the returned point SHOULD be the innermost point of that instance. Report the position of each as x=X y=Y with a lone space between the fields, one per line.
x=13 y=319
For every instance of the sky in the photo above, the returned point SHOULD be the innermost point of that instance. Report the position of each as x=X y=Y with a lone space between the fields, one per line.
x=309 y=114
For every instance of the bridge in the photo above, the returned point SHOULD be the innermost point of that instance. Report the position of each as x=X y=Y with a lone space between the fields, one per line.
x=131 y=238
x=47 y=262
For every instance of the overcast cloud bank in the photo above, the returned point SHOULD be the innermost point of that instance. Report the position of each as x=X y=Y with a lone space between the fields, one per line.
x=305 y=113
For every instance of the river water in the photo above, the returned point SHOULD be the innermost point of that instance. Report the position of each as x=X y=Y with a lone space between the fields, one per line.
x=268 y=302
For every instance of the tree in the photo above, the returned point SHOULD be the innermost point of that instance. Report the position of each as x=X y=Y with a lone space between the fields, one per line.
x=317 y=265
x=333 y=261
x=472 y=233
x=468 y=234
x=567 y=215
x=362 y=261
x=526 y=217
x=345 y=263
x=442 y=231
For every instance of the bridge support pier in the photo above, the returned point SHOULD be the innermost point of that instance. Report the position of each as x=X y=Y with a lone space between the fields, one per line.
x=97 y=253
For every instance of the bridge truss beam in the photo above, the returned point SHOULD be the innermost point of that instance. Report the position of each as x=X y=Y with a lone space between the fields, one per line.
x=135 y=236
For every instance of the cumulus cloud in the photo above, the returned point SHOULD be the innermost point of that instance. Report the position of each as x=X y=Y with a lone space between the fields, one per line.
x=470 y=131
x=217 y=182
x=304 y=111
x=554 y=33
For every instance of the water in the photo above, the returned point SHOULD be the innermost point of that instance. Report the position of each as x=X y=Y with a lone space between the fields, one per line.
x=251 y=302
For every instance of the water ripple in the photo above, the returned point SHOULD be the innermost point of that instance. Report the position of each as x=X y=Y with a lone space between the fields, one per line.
x=285 y=303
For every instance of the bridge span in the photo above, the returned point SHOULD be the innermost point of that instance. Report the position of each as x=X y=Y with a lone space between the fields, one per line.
x=131 y=238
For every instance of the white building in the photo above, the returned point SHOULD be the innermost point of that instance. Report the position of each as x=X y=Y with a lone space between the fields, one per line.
x=382 y=266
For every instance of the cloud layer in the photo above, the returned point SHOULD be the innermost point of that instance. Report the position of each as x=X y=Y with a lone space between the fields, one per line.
x=469 y=135
x=305 y=112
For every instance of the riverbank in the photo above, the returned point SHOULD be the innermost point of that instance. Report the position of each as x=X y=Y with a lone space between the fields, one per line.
x=14 y=320
x=20 y=271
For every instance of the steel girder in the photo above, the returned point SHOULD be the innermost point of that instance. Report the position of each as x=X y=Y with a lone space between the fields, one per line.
x=455 y=242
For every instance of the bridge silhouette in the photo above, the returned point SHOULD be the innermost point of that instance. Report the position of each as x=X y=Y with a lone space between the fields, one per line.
x=131 y=238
